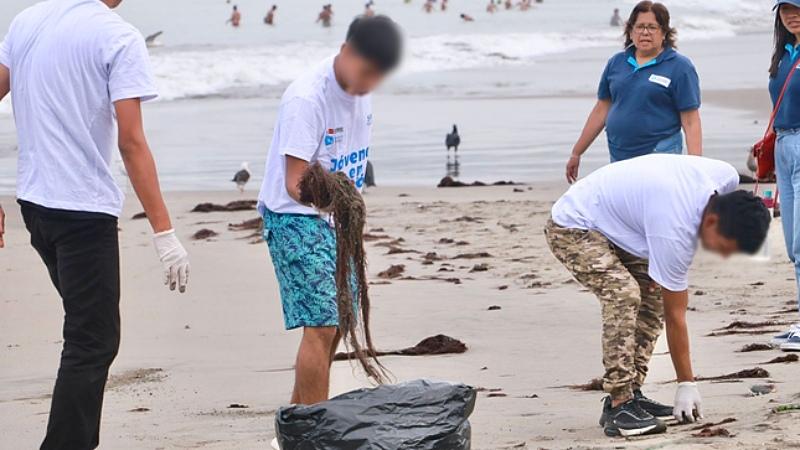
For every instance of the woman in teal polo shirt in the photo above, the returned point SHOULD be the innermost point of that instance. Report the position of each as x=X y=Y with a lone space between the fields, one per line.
x=786 y=58
x=647 y=93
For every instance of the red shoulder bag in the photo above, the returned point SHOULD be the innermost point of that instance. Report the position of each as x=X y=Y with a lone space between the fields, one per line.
x=764 y=150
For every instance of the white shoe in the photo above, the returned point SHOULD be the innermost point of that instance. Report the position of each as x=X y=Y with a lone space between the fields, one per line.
x=792 y=344
x=784 y=337
x=275 y=445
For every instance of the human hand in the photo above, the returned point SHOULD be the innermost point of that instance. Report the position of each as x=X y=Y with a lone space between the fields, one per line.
x=572 y=168
x=687 y=402
x=174 y=258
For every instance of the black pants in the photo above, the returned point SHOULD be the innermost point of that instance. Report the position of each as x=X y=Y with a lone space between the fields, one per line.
x=81 y=252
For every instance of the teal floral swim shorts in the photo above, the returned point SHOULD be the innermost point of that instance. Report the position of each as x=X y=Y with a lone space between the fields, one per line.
x=303 y=251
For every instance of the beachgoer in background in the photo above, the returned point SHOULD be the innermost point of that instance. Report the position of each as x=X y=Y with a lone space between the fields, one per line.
x=66 y=190
x=509 y=4
x=628 y=232
x=491 y=8
x=270 y=18
x=787 y=152
x=325 y=16
x=324 y=117
x=236 y=17
x=651 y=80
x=467 y=18
x=444 y=5
x=428 y=6
x=368 y=11
x=525 y=5
x=616 y=19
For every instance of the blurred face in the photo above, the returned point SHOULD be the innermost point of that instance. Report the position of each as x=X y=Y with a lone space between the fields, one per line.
x=360 y=75
x=713 y=241
x=790 y=16
x=647 y=34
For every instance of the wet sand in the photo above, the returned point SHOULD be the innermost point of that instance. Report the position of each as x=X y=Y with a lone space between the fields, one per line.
x=209 y=368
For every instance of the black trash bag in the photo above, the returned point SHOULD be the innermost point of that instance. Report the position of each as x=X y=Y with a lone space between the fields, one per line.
x=419 y=415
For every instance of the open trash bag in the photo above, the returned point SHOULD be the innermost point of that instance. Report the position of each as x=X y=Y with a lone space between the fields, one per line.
x=419 y=415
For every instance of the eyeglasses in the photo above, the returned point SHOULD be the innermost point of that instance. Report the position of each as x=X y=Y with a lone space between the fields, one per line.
x=650 y=29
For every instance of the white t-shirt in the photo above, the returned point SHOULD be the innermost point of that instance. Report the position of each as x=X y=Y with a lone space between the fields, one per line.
x=651 y=207
x=69 y=61
x=317 y=122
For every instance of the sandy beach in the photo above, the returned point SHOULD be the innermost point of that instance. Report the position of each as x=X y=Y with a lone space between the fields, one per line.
x=187 y=361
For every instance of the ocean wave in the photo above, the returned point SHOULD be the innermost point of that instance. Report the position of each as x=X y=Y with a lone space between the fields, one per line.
x=204 y=72
x=212 y=72
x=208 y=72
x=720 y=18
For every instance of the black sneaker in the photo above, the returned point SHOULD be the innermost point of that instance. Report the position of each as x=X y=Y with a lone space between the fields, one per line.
x=606 y=409
x=657 y=410
x=629 y=419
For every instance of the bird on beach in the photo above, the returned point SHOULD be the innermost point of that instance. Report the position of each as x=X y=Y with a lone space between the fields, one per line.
x=152 y=40
x=242 y=177
x=453 y=140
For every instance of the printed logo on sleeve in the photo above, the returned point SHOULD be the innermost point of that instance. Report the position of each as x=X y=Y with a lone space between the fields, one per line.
x=369 y=120
x=658 y=79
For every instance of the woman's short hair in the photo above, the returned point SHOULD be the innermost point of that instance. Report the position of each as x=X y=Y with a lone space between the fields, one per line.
x=662 y=17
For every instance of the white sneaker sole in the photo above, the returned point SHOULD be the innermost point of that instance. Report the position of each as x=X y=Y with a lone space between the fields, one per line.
x=638 y=431
x=791 y=347
x=274 y=444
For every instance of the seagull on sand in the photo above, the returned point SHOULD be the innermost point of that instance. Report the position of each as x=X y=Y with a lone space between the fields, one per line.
x=242 y=177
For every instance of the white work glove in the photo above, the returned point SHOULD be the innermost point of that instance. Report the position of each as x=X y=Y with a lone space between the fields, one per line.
x=688 y=403
x=174 y=259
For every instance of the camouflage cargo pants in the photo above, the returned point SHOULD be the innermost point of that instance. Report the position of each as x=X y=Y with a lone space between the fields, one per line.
x=632 y=310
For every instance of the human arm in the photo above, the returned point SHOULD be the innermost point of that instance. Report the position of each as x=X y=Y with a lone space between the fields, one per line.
x=692 y=126
x=686 y=96
x=141 y=169
x=593 y=127
x=301 y=127
x=295 y=168
x=5 y=87
x=139 y=163
x=671 y=256
x=688 y=402
x=675 y=305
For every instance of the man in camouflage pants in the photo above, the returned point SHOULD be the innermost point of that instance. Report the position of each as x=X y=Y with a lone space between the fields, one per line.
x=632 y=308
x=628 y=232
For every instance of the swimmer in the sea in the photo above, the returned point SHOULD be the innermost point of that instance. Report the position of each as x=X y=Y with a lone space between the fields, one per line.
x=236 y=17
x=270 y=18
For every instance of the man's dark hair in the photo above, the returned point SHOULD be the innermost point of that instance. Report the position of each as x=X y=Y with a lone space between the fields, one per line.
x=378 y=39
x=743 y=218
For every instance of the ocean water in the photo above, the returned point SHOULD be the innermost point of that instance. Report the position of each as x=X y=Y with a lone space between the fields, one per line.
x=556 y=49
x=202 y=56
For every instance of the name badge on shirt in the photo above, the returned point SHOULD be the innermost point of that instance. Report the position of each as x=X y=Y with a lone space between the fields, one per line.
x=658 y=79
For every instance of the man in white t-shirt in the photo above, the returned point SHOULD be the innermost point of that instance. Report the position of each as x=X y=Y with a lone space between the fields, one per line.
x=628 y=232
x=72 y=67
x=325 y=117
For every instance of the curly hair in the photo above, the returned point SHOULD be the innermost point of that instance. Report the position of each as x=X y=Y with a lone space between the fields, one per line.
x=662 y=17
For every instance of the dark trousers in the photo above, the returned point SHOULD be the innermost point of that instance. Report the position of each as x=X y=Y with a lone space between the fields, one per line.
x=81 y=252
